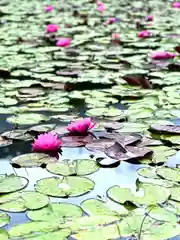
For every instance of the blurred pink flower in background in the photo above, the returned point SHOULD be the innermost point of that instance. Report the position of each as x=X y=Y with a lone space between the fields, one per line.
x=110 y=21
x=63 y=42
x=51 y=28
x=46 y=142
x=99 y=3
x=48 y=8
x=115 y=37
x=149 y=18
x=144 y=34
x=175 y=4
x=81 y=126
x=162 y=55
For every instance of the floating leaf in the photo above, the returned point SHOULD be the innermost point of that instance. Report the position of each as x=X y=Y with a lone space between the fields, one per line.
x=57 y=211
x=175 y=193
x=55 y=235
x=173 y=129
x=148 y=194
x=42 y=128
x=12 y=183
x=65 y=186
x=27 y=119
x=31 y=228
x=172 y=174
x=34 y=200
x=3 y=235
x=76 y=141
x=129 y=153
x=31 y=160
x=99 y=144
x=78 y=167
x=147 y=172
x=17 y=134
x=4 y=219
x=98 y=207
x=161 y=214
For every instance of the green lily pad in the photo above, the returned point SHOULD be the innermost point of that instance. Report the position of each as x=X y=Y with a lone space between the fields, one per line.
x=17 y=134
x=175 y=193
x=3 y=235
x=161 y=153
x=34 y=200
x=172 y=174
x=12 y=183
x=85 y=223
x=20 y=202
x=27 y=119
x=31 y=228
x=95 y=207
x=161 y=214
x=31 y=160
x=42 y=128
x=64 y=186
x=56 y=211
x=147 y=172
x=148 y=194
x=78 y=167
x=4 y=219
x=56 y=235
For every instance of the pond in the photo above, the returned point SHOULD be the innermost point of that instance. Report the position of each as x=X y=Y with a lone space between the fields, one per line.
x=99 y=83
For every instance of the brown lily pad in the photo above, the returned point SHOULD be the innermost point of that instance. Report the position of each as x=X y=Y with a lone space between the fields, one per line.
x=100 y=144
x=117 y=151
x=68 y=73
x=123 y=139
x=172 y=129
x=4 y=142
x=76 y=141
x=18 y=134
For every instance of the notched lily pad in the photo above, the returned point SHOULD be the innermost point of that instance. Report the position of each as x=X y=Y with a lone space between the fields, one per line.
x=12 y=183
x=76 y=141
x=172 y=174
x=99 y=144
x=172 y=129
x=117 y=151
x=18 y=134
x=32 y=160
x=56 y=211
x=4 y=219
x=27 y=119
x=79 y=167
x=65 y=186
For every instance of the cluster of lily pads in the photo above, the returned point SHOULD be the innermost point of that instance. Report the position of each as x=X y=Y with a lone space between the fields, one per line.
x=111 y=61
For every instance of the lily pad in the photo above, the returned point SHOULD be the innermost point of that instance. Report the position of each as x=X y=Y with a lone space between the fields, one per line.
x=42 y=128
x=3 y=235
x=172 y=174
x=4 y=219
x=57 y=211
x=17 y=134
x=23 y=201
x=172 y=129
x=148 y=194
x=79 y=167
x=161 y=214
x=96 y=207
x=76 y=141
x=128 y=153
x=65 y=186
x=27 y=119
x=147 y=172
x=99 y=144
x=4 y=142
x=55 y=235
x=31 y=160
x=31 y=228
x=12 y=183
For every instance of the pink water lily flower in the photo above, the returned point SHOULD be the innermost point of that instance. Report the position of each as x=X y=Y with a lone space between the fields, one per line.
x=149 y=18
x=162 y=55
x=110 y=21
x=51 y=28
x=99 y=3
x=81 y=126
x=46 y=142
x=144 y=34
x=176 y=5
x=48 y=8
x=101 y=8
x=63 y=42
